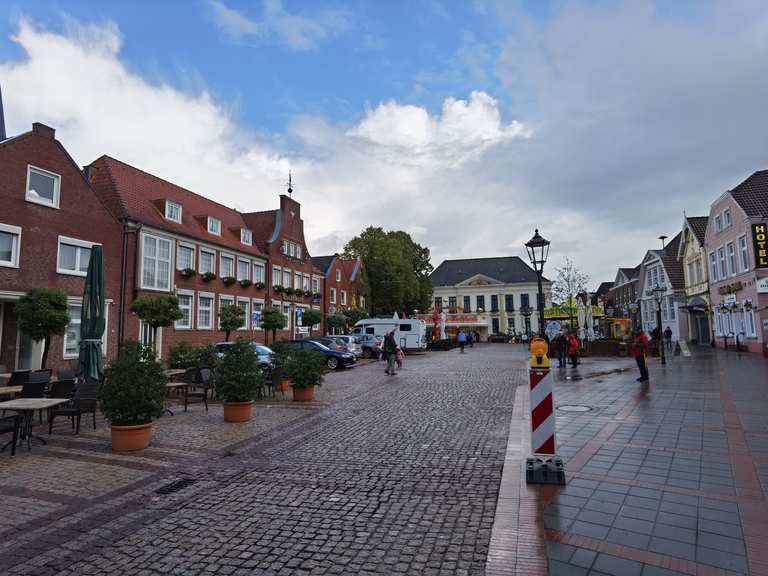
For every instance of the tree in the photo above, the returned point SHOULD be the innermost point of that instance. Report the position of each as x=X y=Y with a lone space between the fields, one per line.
x=310 y=318
x=337 y=320
x=42 y=313
x=570 y=281
x=157 y=312
x=231 y=317
x=272 y=319
x=396 y=270
x=354 y=315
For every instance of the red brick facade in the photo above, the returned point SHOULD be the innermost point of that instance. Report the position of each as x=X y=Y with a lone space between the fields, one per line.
x=80 y=219
x=343 y=284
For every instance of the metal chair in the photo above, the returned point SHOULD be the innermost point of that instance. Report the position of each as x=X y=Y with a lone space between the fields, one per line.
x=19 y=377
x=11 y=424
x=36 y=386
x=84 y=401
x=66 y=374
x=200 y=378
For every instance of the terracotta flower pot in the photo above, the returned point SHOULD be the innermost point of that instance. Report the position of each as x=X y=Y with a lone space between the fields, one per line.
x=128 y=438
x=238 y=411
x=304 y=394
x=284 y=385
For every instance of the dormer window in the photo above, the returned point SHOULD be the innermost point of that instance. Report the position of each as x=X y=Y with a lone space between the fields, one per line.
x=246 y=237
x=214 y=225
x=173 y=211
x=298 y=251
x=43 y=187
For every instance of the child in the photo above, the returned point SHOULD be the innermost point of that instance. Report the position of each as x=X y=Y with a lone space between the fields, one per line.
x=400 y=358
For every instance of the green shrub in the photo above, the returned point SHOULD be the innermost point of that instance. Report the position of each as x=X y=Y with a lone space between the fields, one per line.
x=305 y=368
x=238 y=376
x=182 y=355
x=133 y=390
x=207 y=356
x=42 y=313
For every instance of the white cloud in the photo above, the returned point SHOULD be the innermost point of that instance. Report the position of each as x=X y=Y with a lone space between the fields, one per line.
x=297 y=31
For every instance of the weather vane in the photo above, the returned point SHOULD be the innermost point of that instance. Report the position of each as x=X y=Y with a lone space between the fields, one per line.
x=290 y=185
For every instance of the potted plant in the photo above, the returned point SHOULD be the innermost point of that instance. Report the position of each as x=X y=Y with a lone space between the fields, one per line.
x=237 y=380
x=245 y=282
x=208 y=276
x=229 y=280
x=277 y=289
x=259 y=285
x=132 y=395
x=289 y=291
x=188 y=272
x=305 y=369
x=281 y=382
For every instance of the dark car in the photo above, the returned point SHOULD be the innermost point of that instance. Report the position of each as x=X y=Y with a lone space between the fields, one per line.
x=265 y=355
x=333 y=358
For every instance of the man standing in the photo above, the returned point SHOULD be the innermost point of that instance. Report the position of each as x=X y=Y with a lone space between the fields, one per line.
x=668 y=337
x=561 y=344
x=390 y=350
x=461 y=337
x=640 y=351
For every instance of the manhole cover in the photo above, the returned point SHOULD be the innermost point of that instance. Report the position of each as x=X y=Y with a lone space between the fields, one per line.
x=568 y=408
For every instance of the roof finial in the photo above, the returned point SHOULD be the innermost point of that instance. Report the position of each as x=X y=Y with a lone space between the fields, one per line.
x=290 y=185
x=2 y=118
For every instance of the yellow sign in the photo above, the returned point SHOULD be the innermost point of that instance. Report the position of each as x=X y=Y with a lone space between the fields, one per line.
x=760 y=244
x=539 y=349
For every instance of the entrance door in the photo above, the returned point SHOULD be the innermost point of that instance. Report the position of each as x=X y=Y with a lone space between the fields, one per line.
x=702 y=325
x=30 y=353
x=495 y=325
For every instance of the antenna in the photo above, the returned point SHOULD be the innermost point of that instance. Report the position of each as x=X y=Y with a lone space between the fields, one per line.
x=290 y=185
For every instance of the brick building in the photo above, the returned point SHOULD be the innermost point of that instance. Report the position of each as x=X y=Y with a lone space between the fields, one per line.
x=344 y=286
x=178 y=241
x=49 y=221
x=279 y=234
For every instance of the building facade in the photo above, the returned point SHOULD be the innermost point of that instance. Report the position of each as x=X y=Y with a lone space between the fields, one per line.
x=693 y=257
x=489 y=295
x=50 y=220
x=344 y=286
x=737 y=256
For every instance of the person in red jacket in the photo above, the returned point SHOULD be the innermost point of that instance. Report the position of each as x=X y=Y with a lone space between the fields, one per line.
x=640 y=351
x=573 y=349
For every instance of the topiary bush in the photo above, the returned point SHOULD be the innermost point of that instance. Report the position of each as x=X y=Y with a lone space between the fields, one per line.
x=207 y=356
x=133 y=390
x=182 y=355
x=238 y=376
x=305 y=368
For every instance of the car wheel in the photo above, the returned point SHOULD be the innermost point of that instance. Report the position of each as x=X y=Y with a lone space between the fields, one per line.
x=367 y=353
x=333 y=363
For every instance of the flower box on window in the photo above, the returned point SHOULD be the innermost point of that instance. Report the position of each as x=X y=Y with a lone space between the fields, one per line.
x=289 y=291
x=259 y=285
x=188 y=272
x=245 y=282
x=277 y=289
x=208 y=276
x=229 y=280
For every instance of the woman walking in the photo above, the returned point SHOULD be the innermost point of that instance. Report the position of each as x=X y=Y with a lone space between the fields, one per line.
x=573 y=349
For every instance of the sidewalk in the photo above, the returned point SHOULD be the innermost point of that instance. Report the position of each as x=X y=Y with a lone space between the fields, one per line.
x=663 y=479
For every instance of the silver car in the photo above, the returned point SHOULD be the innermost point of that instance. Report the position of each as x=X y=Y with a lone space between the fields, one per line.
x=353 y=344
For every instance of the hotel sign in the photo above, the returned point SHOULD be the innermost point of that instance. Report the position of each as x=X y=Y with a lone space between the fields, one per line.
x=730 y=288
x=760 y=244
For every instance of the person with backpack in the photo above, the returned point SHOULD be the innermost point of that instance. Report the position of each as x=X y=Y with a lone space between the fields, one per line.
x=390 y=352
x=461 y=338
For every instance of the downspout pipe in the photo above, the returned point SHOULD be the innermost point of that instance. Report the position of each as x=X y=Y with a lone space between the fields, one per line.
x=128 y=228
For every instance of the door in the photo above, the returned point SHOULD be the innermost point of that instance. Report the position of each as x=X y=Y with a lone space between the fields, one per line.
x=702 y=324
x=495 y=325
x=29 y=353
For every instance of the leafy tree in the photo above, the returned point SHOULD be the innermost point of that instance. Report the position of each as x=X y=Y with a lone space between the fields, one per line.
x=182 y=355
x=42 y=313
x=157 y=312
x=354 y=315
x=206 y=356
x=335 y=321
x=231 y=317
x=272 y=319
x=310 y=318
x=569 y=282
x=396 y=270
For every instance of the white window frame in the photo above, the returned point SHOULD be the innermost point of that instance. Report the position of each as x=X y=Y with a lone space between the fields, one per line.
x=718 y=223
x=213 y=260
x=285 y=247
x=291 y=249
x=172 y=204
x=179 y=324
x=77 y=244
x=730 y=256
x=286 y=309
x=258 y=272
x=298 y=251
x=338 y=275
x=289 y=273
x=743 y=253
x=751 y=326
x=726 y=218
x=247 y=269
x=256 y=302
x=297 y=279
x=79 y=303
x=216 y=230
x=315 y=284
x=723 y=269
x=247 y=319
x=718 y=322
x=713 y=267
x=343 y=295
x=333 y=296
x=15 y=247
x=212 y=297
x=64 y=353
x=305 y=282
x=158 y=239
x=231 y=258
x=56 y=189
x=224 y=300
x=277 y=276
x=189 y=246
x=246 y=236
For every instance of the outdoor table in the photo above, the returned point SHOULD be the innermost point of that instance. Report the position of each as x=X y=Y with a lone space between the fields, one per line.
x=173 y=372
x=26 y=407
x=10 y=390
x=169 y=386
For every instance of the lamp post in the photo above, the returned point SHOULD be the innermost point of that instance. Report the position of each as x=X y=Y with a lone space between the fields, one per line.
x=526 y=311
x=538 y=250
x=658 y=296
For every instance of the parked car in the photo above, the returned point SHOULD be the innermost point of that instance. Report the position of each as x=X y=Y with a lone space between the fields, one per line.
x=266 y=355
x=371 y=345
x=333 y=358
x=353 y=344
x=333 y=342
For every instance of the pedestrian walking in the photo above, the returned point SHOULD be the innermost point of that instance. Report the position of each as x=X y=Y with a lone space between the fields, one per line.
x=471 y=339
x=390 y=351
x=640 y=352
x=400 y=358
x=561 y=345
x=668 y=337
x=573 y=349
x=461 y=338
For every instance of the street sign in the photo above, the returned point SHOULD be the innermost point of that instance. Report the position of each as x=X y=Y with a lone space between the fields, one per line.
x=256 y=320
x=553 y=329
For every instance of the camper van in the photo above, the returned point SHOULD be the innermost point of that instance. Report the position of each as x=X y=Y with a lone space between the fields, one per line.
x=410 y=333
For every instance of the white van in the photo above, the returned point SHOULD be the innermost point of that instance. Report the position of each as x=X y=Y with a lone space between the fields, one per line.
x=410 y=333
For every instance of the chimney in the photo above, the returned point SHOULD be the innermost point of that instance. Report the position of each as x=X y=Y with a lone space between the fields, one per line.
x=43 y=130
x=289 y=206
x=2 y=118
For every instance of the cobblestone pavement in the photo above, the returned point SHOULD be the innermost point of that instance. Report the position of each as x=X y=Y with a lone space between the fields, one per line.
x=380 y=476
x=663 y=480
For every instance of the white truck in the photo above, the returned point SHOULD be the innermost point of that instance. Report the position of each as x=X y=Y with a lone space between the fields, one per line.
x=410 y=333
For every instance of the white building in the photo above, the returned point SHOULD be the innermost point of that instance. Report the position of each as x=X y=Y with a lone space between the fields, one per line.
x=488 y=295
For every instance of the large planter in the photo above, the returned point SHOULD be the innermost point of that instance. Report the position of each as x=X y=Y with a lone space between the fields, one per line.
x=284 y=385
x=129 y=438
x=303 y=394
x=238 y=411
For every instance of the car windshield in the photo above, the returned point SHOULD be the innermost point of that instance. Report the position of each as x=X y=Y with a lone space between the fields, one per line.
x=263 y=350
x=319 y=345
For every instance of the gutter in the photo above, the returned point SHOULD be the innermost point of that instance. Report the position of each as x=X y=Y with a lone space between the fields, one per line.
x=128 y=228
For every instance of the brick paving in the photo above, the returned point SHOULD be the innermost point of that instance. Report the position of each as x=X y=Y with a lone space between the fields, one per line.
x=379 y=476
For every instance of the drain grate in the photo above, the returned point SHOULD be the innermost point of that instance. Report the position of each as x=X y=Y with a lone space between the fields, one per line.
x=571 y=408
x=175 y=486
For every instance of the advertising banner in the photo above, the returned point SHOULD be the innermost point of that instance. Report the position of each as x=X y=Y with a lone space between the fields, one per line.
x=760 y=244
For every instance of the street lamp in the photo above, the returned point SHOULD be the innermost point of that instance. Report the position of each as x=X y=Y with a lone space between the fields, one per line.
x=526 y=311
x=658 y=295
x=538 y=250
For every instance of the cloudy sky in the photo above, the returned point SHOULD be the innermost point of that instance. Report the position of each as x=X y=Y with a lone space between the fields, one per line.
x=466 y=124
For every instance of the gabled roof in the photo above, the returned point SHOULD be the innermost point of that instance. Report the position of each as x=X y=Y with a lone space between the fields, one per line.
x=323 y=263
x=508 y=270
x=137 y=195
x=752 y=194
x=697 y=226
x=603 y=288
x=264 y=226
x=626 y=275
x=672 y=265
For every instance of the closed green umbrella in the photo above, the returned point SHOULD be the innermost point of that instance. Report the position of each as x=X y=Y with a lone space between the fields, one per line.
x=92 y=321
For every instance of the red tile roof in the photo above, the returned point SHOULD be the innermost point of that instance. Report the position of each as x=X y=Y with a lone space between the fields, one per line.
x=672 y=265
x=699 y=226
x=752 y=194
x=135 y=194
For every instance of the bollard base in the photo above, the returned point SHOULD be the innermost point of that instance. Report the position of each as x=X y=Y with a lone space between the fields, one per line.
x=544 y=469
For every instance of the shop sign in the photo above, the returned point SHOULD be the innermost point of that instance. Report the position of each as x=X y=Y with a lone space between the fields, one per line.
x=729 y=300
x=730 y=288
x=762 y=285
x=760 y=244
x=462 y=319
